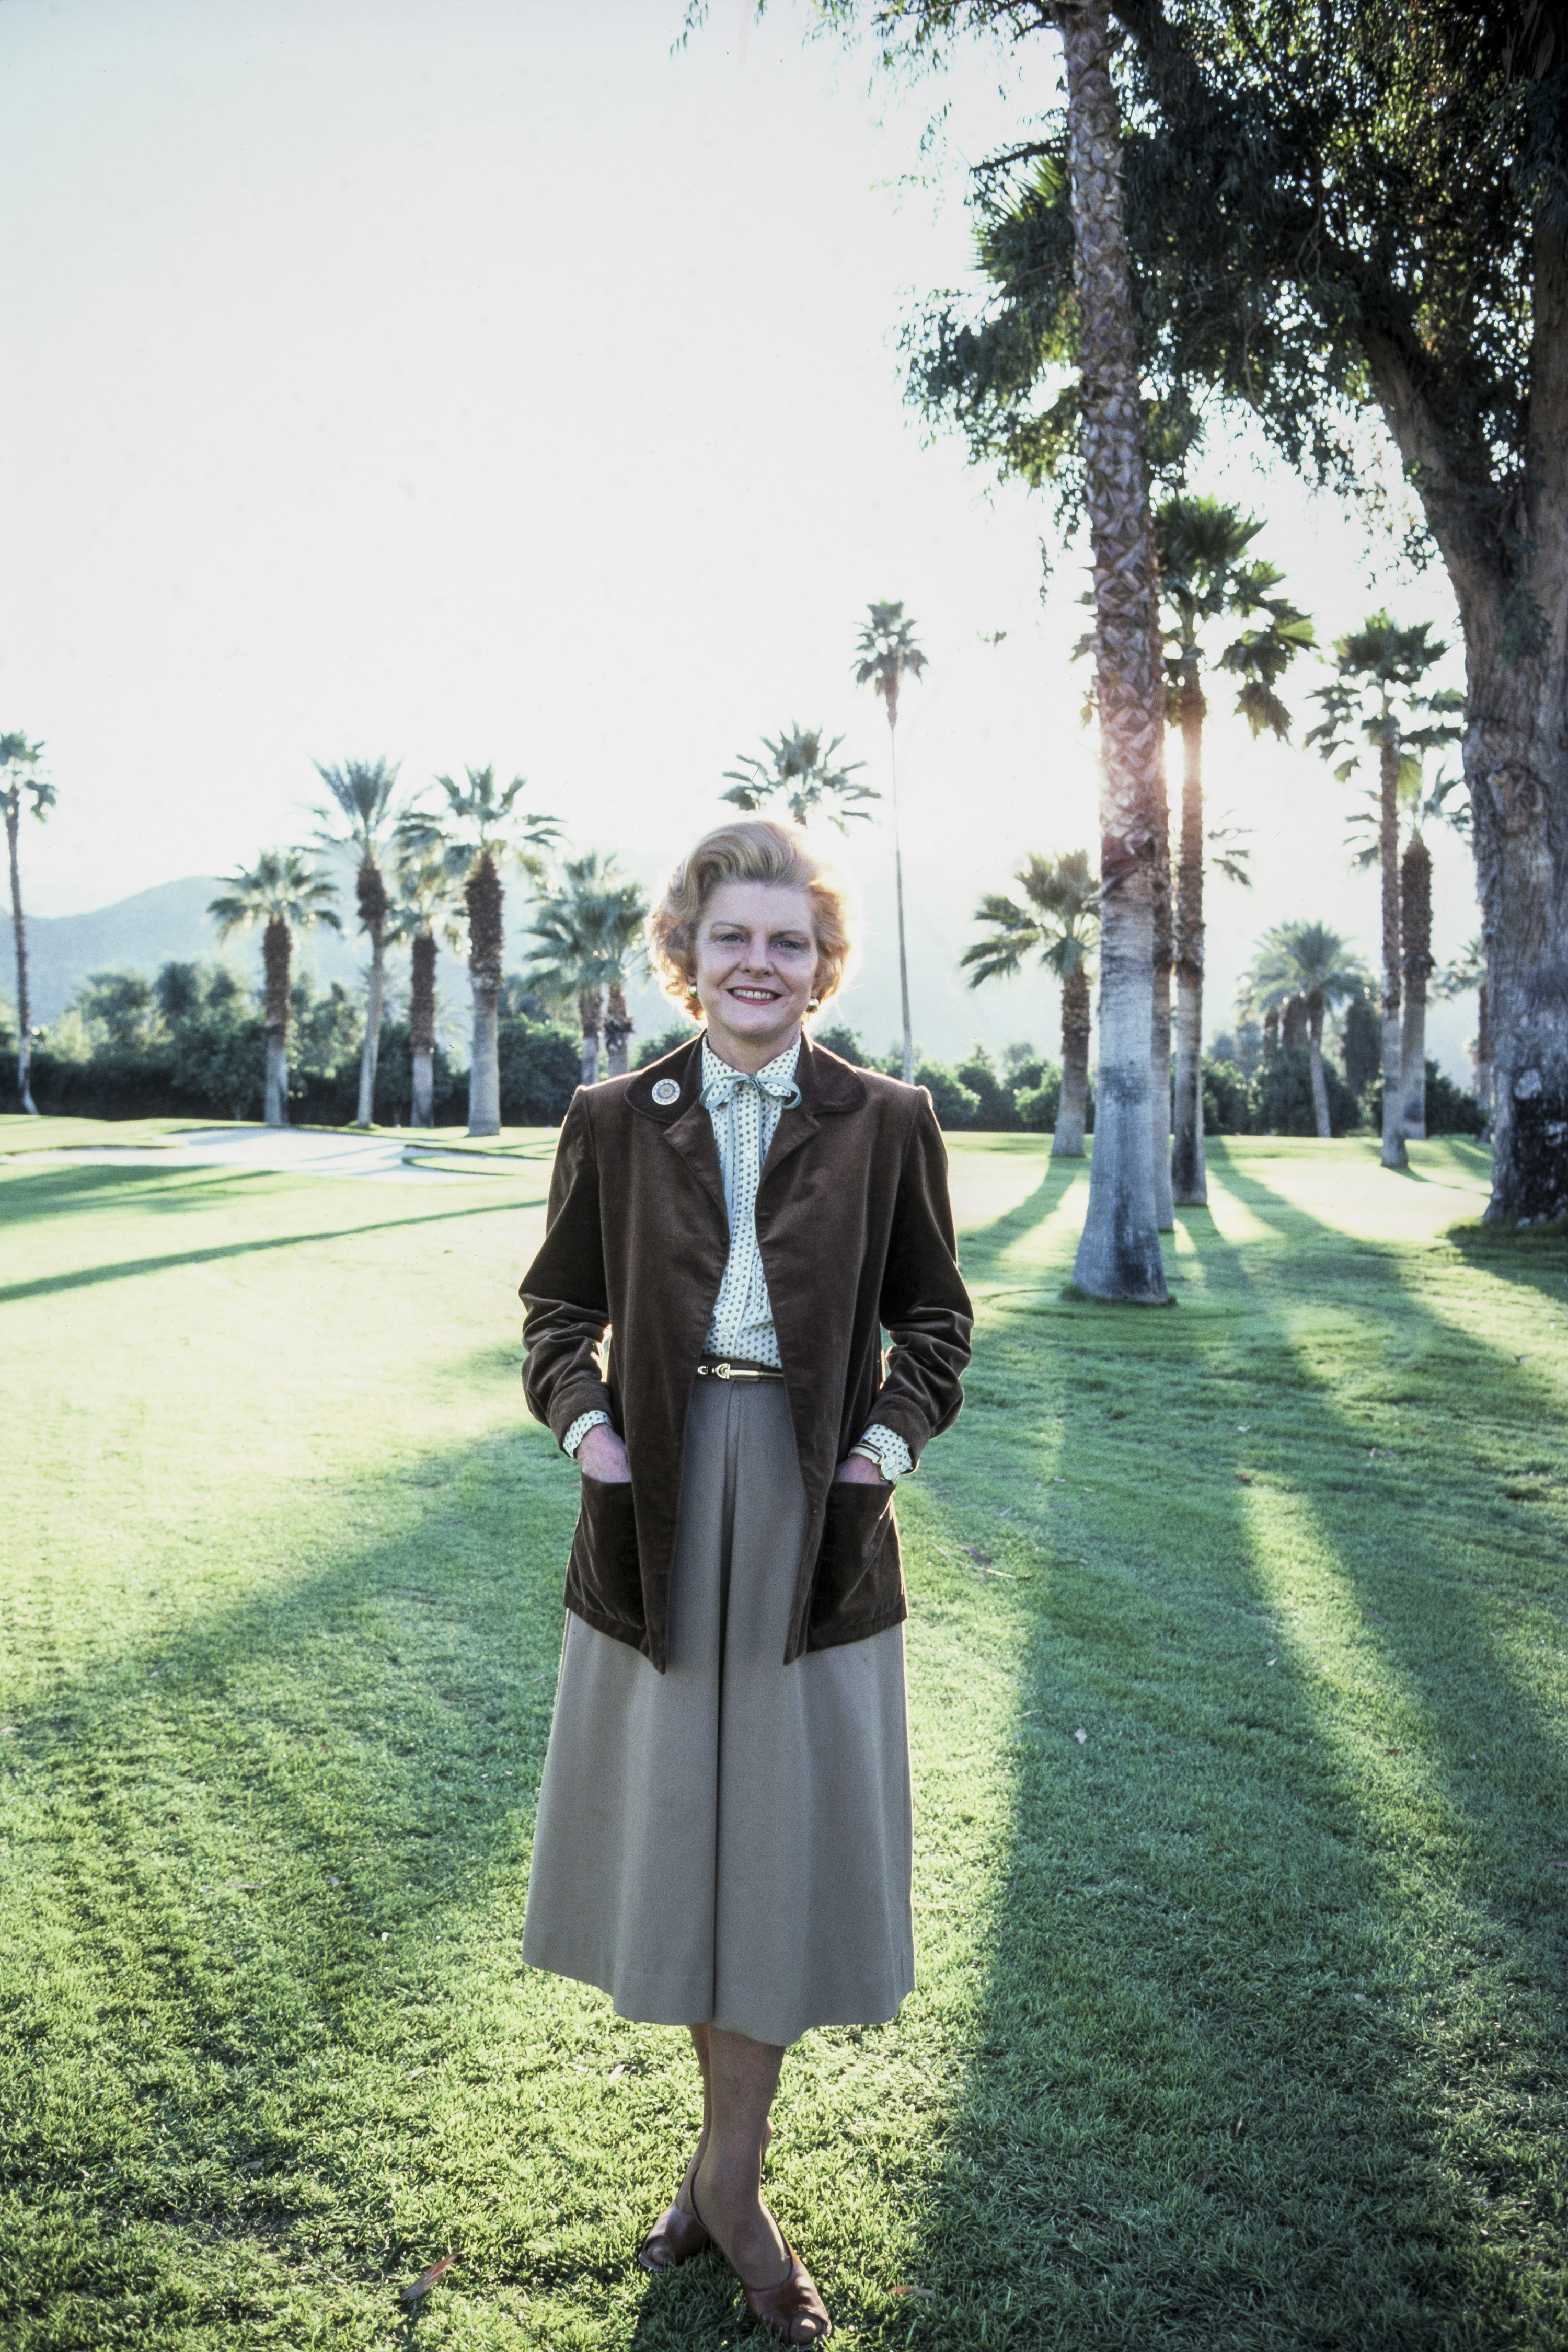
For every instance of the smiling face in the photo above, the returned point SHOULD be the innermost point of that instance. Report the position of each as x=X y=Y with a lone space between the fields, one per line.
x=756 y=965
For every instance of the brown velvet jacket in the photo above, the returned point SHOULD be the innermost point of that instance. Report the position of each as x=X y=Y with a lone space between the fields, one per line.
x=856 y=1233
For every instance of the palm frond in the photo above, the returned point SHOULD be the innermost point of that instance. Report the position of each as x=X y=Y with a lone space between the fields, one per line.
x=284 y=885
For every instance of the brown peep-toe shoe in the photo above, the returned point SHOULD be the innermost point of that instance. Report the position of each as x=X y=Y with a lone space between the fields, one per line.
x=676 y=2236
x=782 y=2307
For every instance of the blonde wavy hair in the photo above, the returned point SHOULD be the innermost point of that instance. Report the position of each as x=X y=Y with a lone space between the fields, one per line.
x=757 y=849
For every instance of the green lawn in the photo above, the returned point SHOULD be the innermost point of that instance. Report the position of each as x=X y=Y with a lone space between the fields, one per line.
x=1241 y=2015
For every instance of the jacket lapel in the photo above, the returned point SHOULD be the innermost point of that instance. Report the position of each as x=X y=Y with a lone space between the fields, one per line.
x=826 y=1086
x=685 y=1125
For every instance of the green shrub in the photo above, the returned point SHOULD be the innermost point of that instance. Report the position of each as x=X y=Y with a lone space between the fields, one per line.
x=1227 y=1107
x=1450 y=1110
x=1036 y=1105
x=540 y=1067
x=1281 y=1095
x=395 y=1083
x=995 y=1109
x=654 y=1049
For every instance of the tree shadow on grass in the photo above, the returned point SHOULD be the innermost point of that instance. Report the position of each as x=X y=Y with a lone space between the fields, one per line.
x=1207 y=2066
x=70 y=1191
x=273 y=2046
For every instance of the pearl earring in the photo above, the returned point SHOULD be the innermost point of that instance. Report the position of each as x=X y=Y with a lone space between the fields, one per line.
x=812 y=1002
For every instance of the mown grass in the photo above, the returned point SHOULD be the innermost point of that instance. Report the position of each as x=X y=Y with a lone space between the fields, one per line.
x=1240 y=2018
x=21 y=1134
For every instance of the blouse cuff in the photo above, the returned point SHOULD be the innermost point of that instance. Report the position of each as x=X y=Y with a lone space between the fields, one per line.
x=579 y=1430
x=888 y=1450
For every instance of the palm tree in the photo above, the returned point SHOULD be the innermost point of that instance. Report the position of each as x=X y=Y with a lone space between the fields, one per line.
x=1302 y=971
x=424 y=915
x=480 y=828
x=1376 y=698
x=22 y=787
x=1118 y=1252
x=1208 y=582
x=798 y=771
x=284 y=892
x=362 y=790
x=1060 y=924
x=586 y=932
x=888 y=655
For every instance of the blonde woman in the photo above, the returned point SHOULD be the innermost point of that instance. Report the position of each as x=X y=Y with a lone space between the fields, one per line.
x=723 y=1832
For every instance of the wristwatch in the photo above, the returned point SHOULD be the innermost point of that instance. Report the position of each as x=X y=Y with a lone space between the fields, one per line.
x=887 y=1461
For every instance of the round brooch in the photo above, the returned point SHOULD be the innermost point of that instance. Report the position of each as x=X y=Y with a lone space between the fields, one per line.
x=667 y=1091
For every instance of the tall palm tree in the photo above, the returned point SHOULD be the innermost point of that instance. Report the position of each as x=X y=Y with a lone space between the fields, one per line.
x=1377 y=698
x=22 y=788
x=800 y=772
x=888 y=654
x=362 y=790
x=585 y=933
x=478 y=831
x=1415 y=941
x=1118 y=1252
x=424 y=916
x=1060 y=924
x=1301 y=972
x=284 y=892
x=1208 y=583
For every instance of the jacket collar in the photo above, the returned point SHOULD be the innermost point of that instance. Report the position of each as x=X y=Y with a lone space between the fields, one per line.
x=827 y=1085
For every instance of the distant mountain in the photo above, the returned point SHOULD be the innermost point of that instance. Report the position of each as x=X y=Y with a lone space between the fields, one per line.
x=167 y=924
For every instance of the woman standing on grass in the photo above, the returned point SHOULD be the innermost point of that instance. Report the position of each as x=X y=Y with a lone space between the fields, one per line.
x=723 y=1835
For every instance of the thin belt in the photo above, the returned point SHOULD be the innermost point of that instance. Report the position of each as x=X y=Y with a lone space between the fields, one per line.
x=725 y=1368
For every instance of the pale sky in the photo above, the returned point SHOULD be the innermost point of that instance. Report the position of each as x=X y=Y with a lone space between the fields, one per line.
x=487 y=380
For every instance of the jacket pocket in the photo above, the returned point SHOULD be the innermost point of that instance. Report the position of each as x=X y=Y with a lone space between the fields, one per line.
x=604 y=1582
x=858 y=1586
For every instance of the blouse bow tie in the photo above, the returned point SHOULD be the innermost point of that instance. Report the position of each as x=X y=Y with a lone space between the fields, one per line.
x=720 y=1092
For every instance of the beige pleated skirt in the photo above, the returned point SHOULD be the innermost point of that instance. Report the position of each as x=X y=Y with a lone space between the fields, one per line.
x=728 y=1843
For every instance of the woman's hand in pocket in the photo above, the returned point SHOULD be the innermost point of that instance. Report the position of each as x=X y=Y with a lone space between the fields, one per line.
x=853 y=1471
x=604 y=1457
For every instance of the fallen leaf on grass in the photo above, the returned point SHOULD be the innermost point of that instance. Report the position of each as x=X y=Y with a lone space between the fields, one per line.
x=1557 y=1865
x=1238 y=2128
x=1374 y=1619
x=421 y=2286
x=1244 y=1477
x=927 y=2292
x=983 y=1558
x=1394 y=1751
x=1082 y=1739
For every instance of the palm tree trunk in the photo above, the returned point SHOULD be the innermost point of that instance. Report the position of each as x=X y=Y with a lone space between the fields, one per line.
x=1189 y=1173
x=1394 y=1153
x=1072 y=1111
x=1119 y=1254
x=617 y=1031
x=1165 y=947
x=1415 y=930
x=590 y=1012
x=373 y=903
x=421 y=1027
x=1315 y=1055
x=899 y=893
x=484 y=897
x=277 y=951
x=19 y=933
